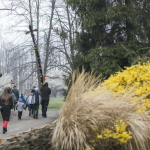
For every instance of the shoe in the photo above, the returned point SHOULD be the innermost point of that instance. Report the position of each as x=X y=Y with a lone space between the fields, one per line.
x=44 y=116
x=3 y=130
x=33 y=116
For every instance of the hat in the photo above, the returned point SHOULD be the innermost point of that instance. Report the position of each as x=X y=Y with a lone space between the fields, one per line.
x=36 y=89
x=20 y=100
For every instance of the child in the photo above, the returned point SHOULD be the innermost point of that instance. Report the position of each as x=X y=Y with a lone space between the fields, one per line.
x=24 y=101
x=29 y=99
x=20 y=106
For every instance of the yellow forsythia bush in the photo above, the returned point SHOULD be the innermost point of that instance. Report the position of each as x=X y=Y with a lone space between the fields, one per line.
x=118 y=133
x=136 y=77
x=94 y=118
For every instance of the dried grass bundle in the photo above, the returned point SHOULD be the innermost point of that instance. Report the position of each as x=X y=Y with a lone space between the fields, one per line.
x=88 y=112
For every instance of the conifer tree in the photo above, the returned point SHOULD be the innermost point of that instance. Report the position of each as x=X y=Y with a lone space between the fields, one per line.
x=113 y=33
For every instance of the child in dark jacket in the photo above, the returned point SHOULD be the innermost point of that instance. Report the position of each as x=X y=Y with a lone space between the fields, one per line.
x=20 y=106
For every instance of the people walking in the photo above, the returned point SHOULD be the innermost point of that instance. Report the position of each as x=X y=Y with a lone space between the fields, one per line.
x=29 y=98
x=16 y=92
x=36 y=100
x=45 y=93
x=20 y=106
x=6 y=102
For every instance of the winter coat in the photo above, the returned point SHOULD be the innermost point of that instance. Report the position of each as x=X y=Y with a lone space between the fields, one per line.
x=36 y=99
x=16 y=92
x=29 y=98
x=14 y=98
x=20 y=105
x=23 y=99
x=6 y=109
x=45 y=92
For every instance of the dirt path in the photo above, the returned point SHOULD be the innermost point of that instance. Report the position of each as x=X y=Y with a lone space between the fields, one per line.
x=15 y=125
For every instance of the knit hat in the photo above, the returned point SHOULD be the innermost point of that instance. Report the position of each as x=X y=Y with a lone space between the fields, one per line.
x=36 y=89
x=20 y=100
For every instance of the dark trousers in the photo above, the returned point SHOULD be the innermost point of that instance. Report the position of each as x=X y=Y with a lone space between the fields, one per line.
x=44 y=107
x=15 y=108
x=36 y=109
x=27 y=106
x=31 y=107
x=19 y=114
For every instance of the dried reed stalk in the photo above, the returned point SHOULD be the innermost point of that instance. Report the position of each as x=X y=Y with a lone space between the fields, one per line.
x=84 y=111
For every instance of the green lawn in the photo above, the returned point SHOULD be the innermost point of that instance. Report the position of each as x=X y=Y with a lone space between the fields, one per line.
x=55 y=102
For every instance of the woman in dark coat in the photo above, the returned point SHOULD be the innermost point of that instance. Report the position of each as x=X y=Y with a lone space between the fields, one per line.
x=6 y=101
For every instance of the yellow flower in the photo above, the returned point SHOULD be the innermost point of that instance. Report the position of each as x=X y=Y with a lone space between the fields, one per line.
x=135 y=76
x=99 y=136
x=119 y=134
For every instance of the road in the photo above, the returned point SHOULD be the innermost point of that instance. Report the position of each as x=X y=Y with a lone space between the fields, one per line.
x=15 y=125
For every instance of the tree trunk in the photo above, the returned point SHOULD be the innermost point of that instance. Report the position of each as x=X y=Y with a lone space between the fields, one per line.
x=31 y=22
x=127 y=3
x=48 y=38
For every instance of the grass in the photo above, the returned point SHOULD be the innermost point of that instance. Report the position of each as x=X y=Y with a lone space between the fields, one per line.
x=55 y=102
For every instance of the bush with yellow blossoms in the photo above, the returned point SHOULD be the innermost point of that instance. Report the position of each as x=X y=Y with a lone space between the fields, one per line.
x=118 y=133
x=136 y=77
x=94 y=118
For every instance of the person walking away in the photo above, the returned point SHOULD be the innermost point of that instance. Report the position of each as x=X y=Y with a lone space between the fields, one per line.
x=45 y=93
x=14 y=98
x=20 y=105
x=29 y=98
x=36 y=101
x=6 y=102
x=23 y=99
x=16 y=92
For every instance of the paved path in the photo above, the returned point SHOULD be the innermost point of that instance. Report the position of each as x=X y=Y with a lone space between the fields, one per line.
x=15 y=125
